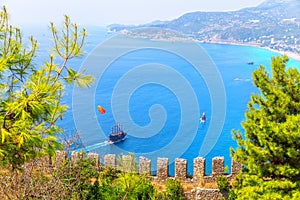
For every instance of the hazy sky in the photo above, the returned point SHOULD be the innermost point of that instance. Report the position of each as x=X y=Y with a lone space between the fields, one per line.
x=100 y=12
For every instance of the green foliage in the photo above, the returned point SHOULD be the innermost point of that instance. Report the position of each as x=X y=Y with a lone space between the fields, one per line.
x=31 y=96
x=174 y=190
x=270 y=144
x=133 y=186
x=226 y=169
x=223 y=184
x=124 y=182
x=40 y=180
x=76 y=177
x=81 y=180
x=29 y=109
x=94 y=192
x=127 y=163
x=118 y=184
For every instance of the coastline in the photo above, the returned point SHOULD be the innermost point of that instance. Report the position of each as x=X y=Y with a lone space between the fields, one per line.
x=288 y=53
x=160 y=37
x=292 y=55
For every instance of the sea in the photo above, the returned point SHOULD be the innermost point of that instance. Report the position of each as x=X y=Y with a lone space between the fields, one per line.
x=158 y=94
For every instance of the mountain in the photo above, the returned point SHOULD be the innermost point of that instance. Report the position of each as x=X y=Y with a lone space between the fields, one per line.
x=273 y=23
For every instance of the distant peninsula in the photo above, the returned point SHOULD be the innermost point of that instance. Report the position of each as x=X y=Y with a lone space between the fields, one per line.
x=274 y=24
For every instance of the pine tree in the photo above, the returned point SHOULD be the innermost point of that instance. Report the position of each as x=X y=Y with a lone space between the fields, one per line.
x=269 y=146
x=31 y=95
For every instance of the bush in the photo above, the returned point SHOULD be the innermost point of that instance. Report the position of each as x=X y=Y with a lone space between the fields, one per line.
x=223 y=184
x=174 y=190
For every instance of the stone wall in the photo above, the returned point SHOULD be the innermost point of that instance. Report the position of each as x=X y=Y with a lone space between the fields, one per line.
x=143 y=166
x=208 y=194
x=162 y=169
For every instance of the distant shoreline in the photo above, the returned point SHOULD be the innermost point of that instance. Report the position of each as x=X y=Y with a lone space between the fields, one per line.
x=156 y=37
x=288 y=53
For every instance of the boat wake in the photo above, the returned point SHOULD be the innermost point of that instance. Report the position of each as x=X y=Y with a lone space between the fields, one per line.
x=94 y=146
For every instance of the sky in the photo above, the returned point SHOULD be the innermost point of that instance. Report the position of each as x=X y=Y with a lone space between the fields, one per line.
x=102 y=13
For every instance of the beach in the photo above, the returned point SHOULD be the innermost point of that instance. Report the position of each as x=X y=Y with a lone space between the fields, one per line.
x=290 y=54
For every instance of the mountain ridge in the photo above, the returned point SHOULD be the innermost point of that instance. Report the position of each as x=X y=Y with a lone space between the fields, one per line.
x=273 y=23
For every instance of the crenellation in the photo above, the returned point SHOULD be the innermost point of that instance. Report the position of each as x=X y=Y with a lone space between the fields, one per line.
x=162 y=169
x=217 y=166
x=129 y=163
x=199 y=169
x=76 y=156
x=180 y=169
x=144 y=165
x=95 y=158
x=110 y=160
x=235 y=167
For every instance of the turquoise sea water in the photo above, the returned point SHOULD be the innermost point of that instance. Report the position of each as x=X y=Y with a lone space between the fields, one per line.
x=157 y=108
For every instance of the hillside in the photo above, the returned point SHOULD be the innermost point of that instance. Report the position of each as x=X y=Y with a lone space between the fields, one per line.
x=274 y=24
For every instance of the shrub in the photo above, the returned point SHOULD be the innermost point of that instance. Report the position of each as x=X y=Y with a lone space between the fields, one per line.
x=174 y=190
x=223 y=184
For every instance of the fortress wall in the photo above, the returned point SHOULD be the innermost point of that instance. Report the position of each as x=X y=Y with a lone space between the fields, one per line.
x=162 y=169
x=110 y=160
x=143 y=166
